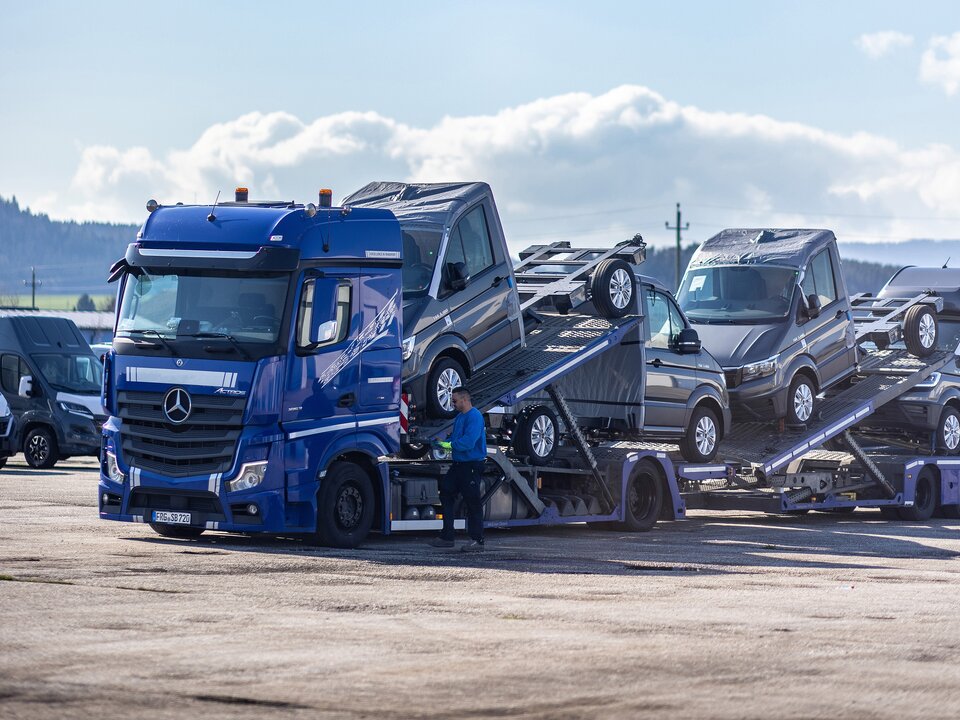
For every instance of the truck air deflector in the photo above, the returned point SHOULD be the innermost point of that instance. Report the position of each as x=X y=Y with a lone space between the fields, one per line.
x=253 y=259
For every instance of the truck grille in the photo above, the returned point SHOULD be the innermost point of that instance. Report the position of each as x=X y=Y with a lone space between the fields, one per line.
x=203 y=445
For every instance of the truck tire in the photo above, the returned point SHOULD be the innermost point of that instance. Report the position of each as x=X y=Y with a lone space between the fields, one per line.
x=801 y=400
x=920 y=330
x=643 y=498
x=444 y=376
x=699 y=443
x=613 y=288
x=40 y=448
x=925 y=500
x=345 y=506
x=537 y=434
x=181 y=532
x=948 y=431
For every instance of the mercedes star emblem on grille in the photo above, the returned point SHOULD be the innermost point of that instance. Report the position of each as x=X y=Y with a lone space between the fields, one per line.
x=177 y=405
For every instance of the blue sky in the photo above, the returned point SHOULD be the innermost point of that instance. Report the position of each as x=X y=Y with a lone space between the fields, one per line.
x=590 y=120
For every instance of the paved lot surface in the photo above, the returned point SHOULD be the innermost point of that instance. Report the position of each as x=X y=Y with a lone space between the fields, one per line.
x=720 y=616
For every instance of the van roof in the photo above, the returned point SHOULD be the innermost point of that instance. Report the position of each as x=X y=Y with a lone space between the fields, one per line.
x=29 y=334
x=748 y=246
x=910 y=281
x=419 y=203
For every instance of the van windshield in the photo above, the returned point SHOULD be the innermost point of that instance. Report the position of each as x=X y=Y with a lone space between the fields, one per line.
x=420 y=250
x=81 y=374
x=736 y=293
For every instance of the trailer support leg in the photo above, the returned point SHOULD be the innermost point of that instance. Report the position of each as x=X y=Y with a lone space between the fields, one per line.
x=869 y=467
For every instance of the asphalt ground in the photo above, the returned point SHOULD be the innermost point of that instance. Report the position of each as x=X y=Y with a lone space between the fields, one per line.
x=719 y=616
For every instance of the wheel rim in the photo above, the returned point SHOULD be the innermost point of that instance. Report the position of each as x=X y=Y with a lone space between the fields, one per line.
x=448 y=381
x=349 y=507
x=640 y=496
x=706 y=435
x=803 y=402
x=951 y=432
x=621 y=289
x=38 y=448
x=542 y=435
x=928 y=330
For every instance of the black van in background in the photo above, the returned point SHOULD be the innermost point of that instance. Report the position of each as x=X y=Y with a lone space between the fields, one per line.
x=52 y=382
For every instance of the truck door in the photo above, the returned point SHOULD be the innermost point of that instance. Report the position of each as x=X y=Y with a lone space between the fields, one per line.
x=826 y=335
x=381 y=360
x=671 y=375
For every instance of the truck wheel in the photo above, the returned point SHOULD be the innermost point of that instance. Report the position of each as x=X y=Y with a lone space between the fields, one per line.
x=699 y=443
x=948 y=431
x=446 y=375
x=345 y=506
x=920 y=330
x=801 y=400
x=612 y=288
x=536 y=434
x=177 y=531
x=40 y=448
x=925 y=501
x=643 y=499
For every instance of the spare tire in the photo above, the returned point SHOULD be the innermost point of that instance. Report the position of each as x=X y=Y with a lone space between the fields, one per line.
x=613 y=288
x=920 y=330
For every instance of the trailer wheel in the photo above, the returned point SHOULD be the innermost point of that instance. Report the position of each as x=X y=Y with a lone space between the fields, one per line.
x=413 y=451
x=345 y=506
x=948 y=431
x=612 y=288
x=920 y=330
x=643 y=499
x=40 y=448
x=699 y=443
x=444 y=377
x=801 y=400
x=925 y=500
x=536 y=434
x=181 y=532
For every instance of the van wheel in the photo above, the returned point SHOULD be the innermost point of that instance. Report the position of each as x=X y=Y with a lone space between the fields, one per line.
x=948 y=431
x=345 y=506
x=801 y=400
x=40 y=448
x=699 y=443
x=925 y=500
x=920 y=330
x=643 y=499
x=444 y=377
x=612 y=288
x=177 y=531
x=536 y=434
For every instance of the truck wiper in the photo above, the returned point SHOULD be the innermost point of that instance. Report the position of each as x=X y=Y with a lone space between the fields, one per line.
x=226 y=336
x=159 y=337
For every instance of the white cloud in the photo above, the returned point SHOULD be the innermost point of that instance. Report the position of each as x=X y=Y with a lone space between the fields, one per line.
x=941 y=63
x=876 y=45
x=588 y=168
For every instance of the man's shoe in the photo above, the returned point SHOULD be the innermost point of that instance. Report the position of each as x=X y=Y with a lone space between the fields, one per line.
x=472 y=547
x=441 y=543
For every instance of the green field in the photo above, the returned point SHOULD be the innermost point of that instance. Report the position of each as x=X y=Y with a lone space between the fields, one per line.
x=59 y=302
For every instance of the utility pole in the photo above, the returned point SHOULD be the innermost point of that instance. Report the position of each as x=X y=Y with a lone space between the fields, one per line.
x=678 y=227
x=33 y=282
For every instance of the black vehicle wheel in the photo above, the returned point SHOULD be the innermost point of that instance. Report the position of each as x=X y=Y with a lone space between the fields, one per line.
x=413 y=451
x=612 y=288
x=345 y=506
x=643 y=500
x=925 y=500
x=181 y=532
x=948 y=431
x=444 y=377
x=537 y=434
x=920 y=330
x=699 y=443
x=801 y=400
x=40 y=448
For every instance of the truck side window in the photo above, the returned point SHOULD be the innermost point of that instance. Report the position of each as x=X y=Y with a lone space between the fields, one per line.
x=12 y=368
x=818 y=279
x=305 y=314
x=469 y=243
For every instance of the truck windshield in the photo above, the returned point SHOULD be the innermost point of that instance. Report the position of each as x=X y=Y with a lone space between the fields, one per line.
x=71 y=373
x=736 y=293
x=242 y=308
x=420 y=250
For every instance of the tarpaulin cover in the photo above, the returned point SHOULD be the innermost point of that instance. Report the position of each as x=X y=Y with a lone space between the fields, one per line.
x=742 y=246
x=420 y=203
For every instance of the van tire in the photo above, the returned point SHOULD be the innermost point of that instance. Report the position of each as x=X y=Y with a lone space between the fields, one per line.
x=177 y=531
x=40 y=448
x=920 y=330
x=925 y=499
x=700 y=441
x=613 y=288
x=345 y=506
x=799 y=397
x=643 y=499
x=948 y=431
x=444 y=376
x=537 y=434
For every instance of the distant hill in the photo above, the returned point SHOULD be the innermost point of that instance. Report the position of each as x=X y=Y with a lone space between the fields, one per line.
x=930 y=253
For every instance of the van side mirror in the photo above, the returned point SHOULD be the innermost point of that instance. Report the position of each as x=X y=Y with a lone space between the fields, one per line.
x=688 y=341
x=26 y=387
x=457 y=275
x=813 y=306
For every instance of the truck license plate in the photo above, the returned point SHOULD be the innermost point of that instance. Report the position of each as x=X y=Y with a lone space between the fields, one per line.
x=173 y=518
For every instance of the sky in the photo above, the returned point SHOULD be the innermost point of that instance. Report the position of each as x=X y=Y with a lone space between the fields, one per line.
x=590 y=121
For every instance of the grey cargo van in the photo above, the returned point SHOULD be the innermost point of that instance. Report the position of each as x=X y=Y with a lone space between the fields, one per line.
x=52 y=382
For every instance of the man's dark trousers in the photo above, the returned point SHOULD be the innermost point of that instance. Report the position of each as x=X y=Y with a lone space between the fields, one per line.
x=463 y=478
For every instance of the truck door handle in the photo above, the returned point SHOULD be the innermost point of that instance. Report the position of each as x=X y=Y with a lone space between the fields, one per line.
x=657 y=362
x=346 y=400
x=496 y=281
x=840 y=314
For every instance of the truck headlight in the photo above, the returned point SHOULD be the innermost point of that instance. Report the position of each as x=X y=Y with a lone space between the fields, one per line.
x=408 y=345
x=75 y=409
x=760 y=369
x=250 y=476
x=113 y=469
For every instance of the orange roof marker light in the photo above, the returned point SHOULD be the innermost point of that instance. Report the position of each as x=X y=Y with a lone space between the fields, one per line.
x=326 y=197
x=241 y=194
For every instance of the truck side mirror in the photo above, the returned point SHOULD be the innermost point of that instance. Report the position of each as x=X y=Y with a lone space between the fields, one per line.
x=688 y=341
x=813 y=306
x=457 y=275
x=26 y=387
x=324 y=332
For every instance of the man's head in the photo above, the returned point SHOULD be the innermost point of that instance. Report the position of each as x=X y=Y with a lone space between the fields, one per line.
x=461 y=399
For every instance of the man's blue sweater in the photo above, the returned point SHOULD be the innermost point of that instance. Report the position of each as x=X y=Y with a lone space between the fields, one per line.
x=469 y=439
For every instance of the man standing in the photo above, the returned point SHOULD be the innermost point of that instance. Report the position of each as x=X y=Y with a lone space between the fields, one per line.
x=468 y=441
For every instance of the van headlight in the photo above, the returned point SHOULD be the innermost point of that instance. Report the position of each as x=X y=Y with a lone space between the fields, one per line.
x=113 y=469
x=761 y=369
x=408 y=346
x=76 y=409
x=930 y=382
x=250 y=476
